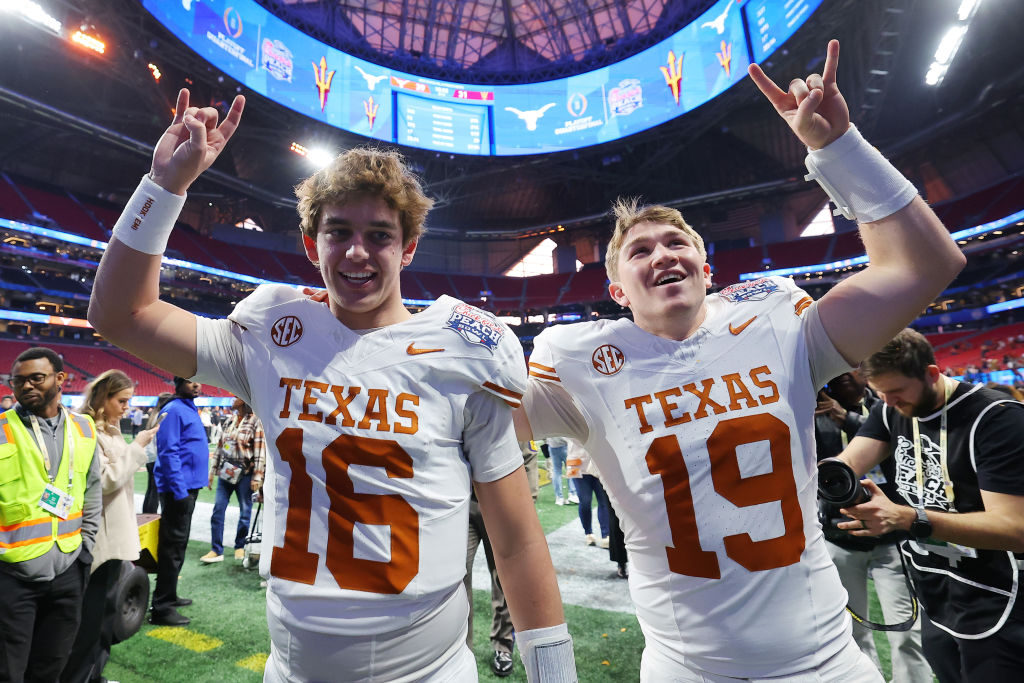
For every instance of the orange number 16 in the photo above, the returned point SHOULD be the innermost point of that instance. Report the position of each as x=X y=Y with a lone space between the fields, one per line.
x=686 y=556
x=294 y=562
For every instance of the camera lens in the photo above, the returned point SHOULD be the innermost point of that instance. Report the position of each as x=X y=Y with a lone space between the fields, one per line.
x=838 y=484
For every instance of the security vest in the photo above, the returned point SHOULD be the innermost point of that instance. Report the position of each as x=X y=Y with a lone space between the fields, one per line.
x=28 y=531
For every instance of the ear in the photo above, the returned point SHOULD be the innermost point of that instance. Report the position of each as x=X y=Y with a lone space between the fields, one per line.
x=617 y=294
x=408 y=251
x=309 y=244
x=707 y=275
x=932 y=373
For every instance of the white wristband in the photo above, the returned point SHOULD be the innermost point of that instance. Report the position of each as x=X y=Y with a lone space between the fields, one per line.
x=146 y=222
x=547 y=654
x=861 y=182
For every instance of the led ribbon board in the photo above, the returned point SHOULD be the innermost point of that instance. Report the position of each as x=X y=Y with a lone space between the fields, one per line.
x=679 y=74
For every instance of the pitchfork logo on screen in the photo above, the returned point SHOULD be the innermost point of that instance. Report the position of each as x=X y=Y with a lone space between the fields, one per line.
x=286 y=331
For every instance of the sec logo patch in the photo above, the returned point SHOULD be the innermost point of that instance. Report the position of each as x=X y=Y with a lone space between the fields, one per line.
x=286 y=331
x=607 y=359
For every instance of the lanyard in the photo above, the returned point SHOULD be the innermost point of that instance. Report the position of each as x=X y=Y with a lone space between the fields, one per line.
x=46 y=451
x=947 y=484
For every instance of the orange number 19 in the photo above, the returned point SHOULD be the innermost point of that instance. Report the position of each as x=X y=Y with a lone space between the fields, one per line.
x=686 y=556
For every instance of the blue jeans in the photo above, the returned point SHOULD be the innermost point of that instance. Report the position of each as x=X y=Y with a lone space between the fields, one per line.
x=586 y=485
x=243 y=492
x=558 y=455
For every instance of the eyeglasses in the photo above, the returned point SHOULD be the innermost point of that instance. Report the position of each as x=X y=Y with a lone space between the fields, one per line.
x=35 y=379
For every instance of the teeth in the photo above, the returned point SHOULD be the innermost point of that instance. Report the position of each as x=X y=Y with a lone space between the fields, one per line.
x=357 y=276
x=668 y=279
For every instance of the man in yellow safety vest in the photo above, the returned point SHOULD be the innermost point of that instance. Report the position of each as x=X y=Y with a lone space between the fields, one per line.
x=50 y=509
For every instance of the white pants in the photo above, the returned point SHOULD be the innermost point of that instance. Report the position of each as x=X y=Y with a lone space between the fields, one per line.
x=882 y=565
x=431 y=651
x=849 y=665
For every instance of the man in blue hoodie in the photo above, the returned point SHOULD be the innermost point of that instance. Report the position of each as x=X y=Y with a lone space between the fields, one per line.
x=182 y=465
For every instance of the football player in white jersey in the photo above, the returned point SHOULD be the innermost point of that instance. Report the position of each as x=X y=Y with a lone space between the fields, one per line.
x=378 y=422
x=699 y=412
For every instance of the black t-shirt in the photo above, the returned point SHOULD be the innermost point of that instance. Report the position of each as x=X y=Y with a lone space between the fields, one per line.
x=969 y=596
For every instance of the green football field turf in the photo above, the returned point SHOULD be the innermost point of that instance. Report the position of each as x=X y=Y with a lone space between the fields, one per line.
x=228 y=638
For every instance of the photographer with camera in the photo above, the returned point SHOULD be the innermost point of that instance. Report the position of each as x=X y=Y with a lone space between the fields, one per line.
x=958 y=451
x=843 y=406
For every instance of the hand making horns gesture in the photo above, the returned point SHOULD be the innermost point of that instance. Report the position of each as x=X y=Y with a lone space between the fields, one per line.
x=813 y=107
x=192 y=143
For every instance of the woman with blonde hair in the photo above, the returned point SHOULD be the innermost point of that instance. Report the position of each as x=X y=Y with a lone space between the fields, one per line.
x=106 y=400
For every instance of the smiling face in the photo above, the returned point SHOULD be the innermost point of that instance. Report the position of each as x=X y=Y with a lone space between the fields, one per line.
x=359 y=252
x=663 y=279
x=116 y=405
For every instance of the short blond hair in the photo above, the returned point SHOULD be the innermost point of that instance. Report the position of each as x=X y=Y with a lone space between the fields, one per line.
x=366 y=171
x=628 y=213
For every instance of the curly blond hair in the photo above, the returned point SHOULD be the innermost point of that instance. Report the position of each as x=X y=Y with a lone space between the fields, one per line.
x=365 y=171
x=628 y=213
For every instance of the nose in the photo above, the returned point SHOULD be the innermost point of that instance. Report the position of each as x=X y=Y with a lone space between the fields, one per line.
x=662 y=256
x=889 y=399
x=356 y=251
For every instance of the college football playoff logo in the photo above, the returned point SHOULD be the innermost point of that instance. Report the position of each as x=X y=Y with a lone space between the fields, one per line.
x=607 y=359
x=286 y=331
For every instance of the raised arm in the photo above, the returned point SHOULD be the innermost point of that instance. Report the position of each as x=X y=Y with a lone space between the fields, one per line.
x=125 y=306
x=912 y=256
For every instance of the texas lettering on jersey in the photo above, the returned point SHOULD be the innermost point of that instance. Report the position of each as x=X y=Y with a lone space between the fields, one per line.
x=381 y=410
x=738 y=397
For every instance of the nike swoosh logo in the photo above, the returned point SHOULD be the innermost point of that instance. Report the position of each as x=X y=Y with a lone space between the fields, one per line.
x=413 y=351
x=737 y=330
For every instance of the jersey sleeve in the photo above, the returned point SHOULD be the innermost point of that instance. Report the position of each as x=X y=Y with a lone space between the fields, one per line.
x=998 y=450
x=549 y=407
x=220 y=359
x=508 y=380
x=489 y=438
x=826 y=361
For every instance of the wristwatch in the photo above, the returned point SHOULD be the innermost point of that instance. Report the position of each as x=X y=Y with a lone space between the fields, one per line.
x=921 y=528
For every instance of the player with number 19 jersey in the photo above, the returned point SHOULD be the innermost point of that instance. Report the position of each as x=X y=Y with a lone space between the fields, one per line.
x=374 y=437
x=706 y=448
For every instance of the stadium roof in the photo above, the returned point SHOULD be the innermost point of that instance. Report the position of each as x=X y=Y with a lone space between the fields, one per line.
x=87 y=122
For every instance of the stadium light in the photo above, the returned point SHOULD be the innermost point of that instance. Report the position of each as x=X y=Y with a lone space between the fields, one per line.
x=155 y=70
x=950 y=43
x=33 y=12
x=320 y=157
x=89 y=42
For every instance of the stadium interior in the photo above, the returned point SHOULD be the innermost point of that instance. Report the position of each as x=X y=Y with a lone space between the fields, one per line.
x=83 y=100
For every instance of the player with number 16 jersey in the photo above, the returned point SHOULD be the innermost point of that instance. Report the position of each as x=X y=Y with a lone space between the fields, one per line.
x=359 y=427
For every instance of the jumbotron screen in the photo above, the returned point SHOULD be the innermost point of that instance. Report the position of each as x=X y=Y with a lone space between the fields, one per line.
x=679 y=74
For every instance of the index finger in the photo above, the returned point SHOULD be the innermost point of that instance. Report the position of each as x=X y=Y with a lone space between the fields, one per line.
x=767 y=86
x=180 y=106
x=828 y=75
x=230 y=123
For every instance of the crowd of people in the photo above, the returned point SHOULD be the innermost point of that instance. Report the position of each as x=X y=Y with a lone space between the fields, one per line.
x=394 y=443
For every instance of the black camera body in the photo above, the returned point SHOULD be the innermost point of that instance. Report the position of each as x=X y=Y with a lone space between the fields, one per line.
x=839 y=485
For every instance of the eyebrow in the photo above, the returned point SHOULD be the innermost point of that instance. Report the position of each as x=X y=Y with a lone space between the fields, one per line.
x=338 y=221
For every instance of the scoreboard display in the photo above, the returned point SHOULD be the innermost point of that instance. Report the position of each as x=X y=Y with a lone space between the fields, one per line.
x=682 y=72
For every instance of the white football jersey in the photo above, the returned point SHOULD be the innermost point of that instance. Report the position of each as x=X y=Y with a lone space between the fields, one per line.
x=373 y=439
x=706 y=448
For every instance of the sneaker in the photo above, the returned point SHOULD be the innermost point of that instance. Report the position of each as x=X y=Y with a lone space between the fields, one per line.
x=604 y=542
x=239 y=554
x=590 y=539
x=501 y=664
x=211 y=557
x=573 y=499
x=559 y=501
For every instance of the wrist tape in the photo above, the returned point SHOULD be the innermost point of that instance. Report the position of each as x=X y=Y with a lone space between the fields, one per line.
x=547 y=654
x=146 y=222
x=861 y=182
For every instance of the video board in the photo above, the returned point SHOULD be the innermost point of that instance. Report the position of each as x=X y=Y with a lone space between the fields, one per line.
x=675 y=76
